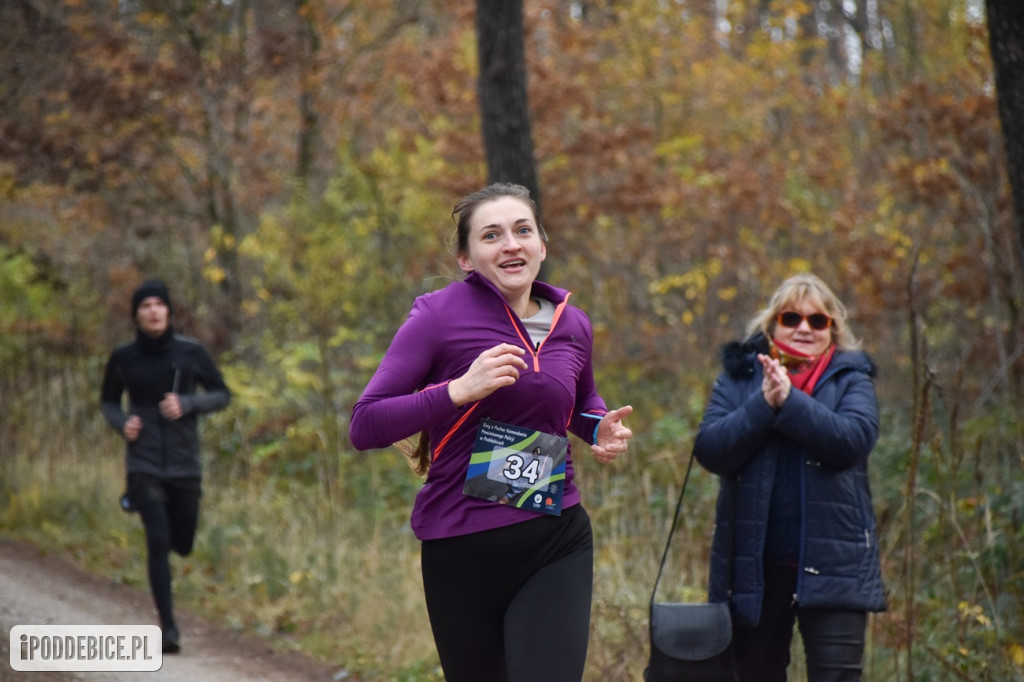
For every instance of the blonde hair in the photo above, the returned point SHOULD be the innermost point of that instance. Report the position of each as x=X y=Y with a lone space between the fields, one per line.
x=810 y=288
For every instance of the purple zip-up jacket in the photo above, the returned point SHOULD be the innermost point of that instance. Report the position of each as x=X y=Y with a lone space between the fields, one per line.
x=445 y=332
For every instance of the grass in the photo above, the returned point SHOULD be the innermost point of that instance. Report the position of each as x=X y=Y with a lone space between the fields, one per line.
x=274 y=557
x=337 y=575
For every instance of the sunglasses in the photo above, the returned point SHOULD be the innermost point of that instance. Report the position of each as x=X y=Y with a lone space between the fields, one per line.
x=817 y=321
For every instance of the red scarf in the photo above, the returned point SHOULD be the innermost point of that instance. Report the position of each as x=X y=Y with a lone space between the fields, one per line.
x=804 y=369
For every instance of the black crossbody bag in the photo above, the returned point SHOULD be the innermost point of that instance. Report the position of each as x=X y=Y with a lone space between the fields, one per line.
x=690 y=642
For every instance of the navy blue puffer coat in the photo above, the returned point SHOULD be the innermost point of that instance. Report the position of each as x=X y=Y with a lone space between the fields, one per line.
x=741 y=439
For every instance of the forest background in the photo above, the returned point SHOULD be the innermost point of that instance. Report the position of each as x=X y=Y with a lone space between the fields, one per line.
x=289 y=169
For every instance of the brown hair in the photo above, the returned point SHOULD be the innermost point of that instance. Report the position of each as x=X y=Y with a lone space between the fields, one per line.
x=418 y=455
x=462 y=213
x=467 y=205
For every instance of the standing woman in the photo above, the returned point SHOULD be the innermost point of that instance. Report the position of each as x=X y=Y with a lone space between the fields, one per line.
x=508 y=591
x=789 y=427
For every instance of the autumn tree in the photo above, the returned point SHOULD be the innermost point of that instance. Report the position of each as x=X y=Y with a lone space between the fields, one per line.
x=504 y=108
x=1006 y=41
x=691 y=155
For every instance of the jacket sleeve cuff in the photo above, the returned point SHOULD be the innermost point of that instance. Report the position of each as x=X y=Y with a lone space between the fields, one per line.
x=759 y=412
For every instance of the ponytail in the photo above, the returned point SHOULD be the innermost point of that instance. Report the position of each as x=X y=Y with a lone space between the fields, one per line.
x=419 y=456
x=420 y=459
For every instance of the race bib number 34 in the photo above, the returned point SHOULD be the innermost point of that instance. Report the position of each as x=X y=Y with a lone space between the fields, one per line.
x=519 y=467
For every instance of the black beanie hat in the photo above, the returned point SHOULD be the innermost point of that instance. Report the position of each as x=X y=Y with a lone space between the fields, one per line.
x=153 y=287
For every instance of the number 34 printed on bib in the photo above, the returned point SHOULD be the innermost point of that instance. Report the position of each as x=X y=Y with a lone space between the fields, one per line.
x=519 y=467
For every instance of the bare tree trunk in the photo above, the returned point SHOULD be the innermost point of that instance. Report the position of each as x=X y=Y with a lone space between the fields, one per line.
x=309 y=130
x=1006 y=42
x=508 y=139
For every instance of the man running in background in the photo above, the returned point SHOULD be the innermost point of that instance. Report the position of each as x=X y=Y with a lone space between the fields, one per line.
x=161 y=372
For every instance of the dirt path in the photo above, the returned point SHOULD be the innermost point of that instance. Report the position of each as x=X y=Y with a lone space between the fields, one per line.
x=36 y=589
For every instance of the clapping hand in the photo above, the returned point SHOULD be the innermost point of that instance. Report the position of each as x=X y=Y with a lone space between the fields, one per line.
x=776 y=384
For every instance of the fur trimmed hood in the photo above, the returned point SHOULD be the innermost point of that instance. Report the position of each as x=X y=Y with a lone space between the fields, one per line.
x=738 y=357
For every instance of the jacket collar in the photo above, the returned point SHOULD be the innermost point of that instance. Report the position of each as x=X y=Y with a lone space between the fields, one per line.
x=540 y=289
x=152 y=345
x=739 y=358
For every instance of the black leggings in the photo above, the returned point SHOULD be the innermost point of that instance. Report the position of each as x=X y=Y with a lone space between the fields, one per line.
x=170 y=512
x=833 y=639
x=513 y=604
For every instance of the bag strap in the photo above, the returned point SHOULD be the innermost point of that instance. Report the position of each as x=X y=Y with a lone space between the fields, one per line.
x=675 y=520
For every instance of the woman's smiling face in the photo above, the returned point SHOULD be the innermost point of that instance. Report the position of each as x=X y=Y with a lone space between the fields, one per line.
x=804 y=337
x=505 y=246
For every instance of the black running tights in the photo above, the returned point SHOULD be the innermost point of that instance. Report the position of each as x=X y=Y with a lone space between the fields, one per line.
x=170 y=512
x=512 y=604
